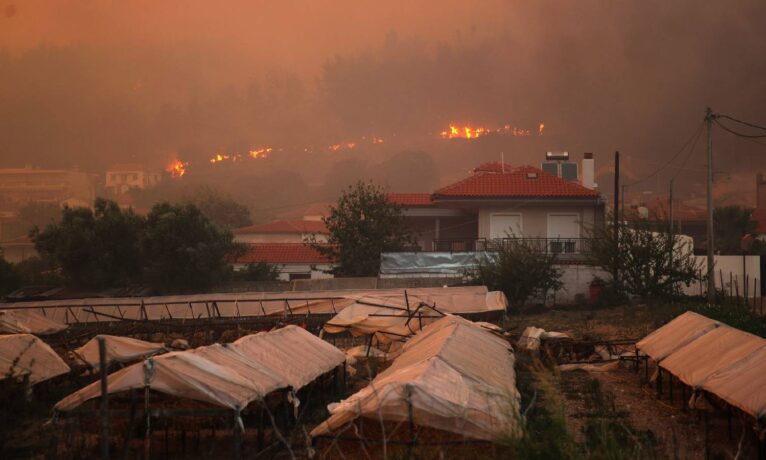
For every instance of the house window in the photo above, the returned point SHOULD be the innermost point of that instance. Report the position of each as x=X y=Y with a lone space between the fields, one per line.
x=563 y=232
x=300 y=276
x=505 y=225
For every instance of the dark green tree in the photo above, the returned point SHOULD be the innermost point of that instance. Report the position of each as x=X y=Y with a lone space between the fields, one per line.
x=10 y=280
x=220 y=208
x=184 y=250
x=93 y=248
x=519 y=269
x=258 y=271
x=650 y=262
x=730 y=224
x=362 y=225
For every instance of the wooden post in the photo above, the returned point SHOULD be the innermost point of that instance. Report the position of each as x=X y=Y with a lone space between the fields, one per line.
x=659 y=381
x=148 y=433
x=261 y=425
x=102 y=361
x=670 y=387
x=410 y=417
x=237 y=436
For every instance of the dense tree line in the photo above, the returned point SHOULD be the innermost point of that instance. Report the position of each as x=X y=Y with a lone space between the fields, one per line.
x=173 y=248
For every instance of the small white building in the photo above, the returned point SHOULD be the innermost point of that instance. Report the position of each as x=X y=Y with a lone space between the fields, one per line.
x=122 y=177
x=282 y=231
x=295 y=260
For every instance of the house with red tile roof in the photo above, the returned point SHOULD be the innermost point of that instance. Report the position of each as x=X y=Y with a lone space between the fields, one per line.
x=498 y=200
x=295 y=260
x=282 y=231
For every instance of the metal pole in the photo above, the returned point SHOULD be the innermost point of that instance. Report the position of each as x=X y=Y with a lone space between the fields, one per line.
x=616 y=216
x=710 y=246
x=104 y=398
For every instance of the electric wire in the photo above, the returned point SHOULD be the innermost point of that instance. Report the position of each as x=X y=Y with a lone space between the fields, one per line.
x=694 y=135
x=688 y=155
x=736 y=133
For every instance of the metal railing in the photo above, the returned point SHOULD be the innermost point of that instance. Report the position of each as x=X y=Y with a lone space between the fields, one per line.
x=548 y=245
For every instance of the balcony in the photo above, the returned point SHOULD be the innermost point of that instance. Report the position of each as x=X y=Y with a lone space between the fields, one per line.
x=562 y=246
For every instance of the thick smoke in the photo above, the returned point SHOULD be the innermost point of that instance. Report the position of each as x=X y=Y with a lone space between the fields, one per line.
x=95 y=83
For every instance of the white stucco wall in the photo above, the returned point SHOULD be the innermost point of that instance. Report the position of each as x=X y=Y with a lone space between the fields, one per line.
x=535 y=218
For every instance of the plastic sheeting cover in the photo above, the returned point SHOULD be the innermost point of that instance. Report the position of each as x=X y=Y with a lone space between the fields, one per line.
x=448 y=263
x=28 y=322
x=24 y=355
x=293 y=353
x=458 y=377
x=742 y=384
x=394 y=318
x=118 y=349
x=674 y=335
x=231 y=375
x=717 y=349
x=223 y=304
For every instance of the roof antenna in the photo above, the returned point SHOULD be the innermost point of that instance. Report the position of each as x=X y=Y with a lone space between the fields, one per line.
x=502 y=162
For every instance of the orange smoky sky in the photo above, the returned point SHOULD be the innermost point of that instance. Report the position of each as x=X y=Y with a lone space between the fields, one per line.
x=289 y=33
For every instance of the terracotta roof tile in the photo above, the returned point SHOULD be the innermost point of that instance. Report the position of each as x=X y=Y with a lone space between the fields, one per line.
x=285 y=226
x=488 y=181
x=411 y=199
x=281 y=253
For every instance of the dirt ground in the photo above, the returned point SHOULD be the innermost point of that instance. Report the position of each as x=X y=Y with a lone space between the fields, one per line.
x=678 y=433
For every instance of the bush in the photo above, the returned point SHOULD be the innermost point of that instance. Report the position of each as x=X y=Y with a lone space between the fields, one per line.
x=518 y=269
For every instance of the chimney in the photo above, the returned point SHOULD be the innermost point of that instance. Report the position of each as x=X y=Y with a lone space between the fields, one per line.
x=588 y=171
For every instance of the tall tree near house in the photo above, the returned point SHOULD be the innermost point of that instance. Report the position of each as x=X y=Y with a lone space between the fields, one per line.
x=519 y=269
x=652 y=262
x=730 y=224
x=362 y=225
x=220 y=208
x=184 y=250
x=93 y=248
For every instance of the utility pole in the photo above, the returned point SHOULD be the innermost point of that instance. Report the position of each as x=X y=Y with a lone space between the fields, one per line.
x=710 y=247
x=672 y=230
x=615 y=275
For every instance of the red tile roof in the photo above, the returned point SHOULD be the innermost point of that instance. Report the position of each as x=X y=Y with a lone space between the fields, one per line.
x=285 y=226
x=282 y=253
x=488 y=181
x=411 y=199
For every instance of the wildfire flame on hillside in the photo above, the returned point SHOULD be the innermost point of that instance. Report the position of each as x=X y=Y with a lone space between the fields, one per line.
x=457 y=131
x=176 y=168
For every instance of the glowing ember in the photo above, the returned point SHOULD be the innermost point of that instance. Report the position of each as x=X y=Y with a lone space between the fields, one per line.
x=456 y=131
x=176 y=168
x=260 y=153
x=540 y=129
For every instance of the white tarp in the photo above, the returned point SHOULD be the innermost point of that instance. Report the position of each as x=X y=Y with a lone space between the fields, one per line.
x=395 y=317
x=24 y=355
x=456 y=376
x=742 y=384
x=231 y=375
x=118 y=349
x=293 y=353
x=28 y=322
x=234 y=304
x=681 y=330
x=711 y=352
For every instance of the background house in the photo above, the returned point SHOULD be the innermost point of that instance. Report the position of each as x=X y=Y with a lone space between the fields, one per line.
x=295 y=260
x=498 y=201
x=282 y=231
x=122 y=177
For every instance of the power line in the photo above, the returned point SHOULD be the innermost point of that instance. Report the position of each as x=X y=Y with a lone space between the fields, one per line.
x=745 y=136
x=740 y=121
x=688 y=155
x=695 y=134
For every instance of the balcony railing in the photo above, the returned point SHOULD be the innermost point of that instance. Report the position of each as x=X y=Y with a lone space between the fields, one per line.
x=562 y=246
